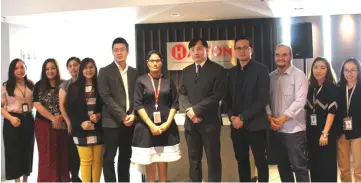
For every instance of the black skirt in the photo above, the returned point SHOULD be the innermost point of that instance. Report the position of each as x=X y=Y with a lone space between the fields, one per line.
x=147 y=149
x=19 y=146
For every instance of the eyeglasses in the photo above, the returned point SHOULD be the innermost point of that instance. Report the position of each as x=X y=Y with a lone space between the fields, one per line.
x=352 y=71
x=119 y=50
x=244 y=48
x=197 y=49
x=154 y=61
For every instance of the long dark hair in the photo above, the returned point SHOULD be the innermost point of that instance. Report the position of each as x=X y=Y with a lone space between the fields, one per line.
x=44 y=81
x=343 y=80
x=330 y=75
x=11 y=82
x=81 y=79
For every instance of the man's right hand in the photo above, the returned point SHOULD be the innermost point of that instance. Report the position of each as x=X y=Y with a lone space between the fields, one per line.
x=129 y=120
x=273 y=123
x=237 y=123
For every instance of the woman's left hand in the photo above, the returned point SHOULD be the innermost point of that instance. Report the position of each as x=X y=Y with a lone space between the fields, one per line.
x=323 y=141
x=164 y=127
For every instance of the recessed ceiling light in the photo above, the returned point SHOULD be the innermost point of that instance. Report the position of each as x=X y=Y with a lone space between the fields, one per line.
x=175 y=15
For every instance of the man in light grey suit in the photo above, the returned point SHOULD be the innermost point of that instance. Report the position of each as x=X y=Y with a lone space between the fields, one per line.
x=116 y=85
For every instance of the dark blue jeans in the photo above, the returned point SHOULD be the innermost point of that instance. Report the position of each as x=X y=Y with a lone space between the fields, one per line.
x=291 y=156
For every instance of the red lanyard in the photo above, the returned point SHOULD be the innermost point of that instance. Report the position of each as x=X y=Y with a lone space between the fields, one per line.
x=156 y=91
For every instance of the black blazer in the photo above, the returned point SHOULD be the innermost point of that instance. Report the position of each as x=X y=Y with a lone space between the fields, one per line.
x=355 y=111
x=255 y=90
x=203 y=94
x=111 y=90
x=76 y=108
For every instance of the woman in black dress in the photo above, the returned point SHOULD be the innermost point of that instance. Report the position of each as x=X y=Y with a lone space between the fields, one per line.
x=321 y=132
x=156 y=136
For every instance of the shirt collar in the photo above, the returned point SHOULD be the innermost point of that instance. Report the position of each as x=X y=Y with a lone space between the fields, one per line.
x=120 y=68
x=288 y=71
x=202 y=63
x=246 y=66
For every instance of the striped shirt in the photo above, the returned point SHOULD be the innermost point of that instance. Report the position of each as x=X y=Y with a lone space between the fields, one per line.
x=92 y=138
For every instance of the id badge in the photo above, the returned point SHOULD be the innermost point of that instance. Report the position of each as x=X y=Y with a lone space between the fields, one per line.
x=313 y=119
x=25 y=107
x=157 y=117
x=347 y=123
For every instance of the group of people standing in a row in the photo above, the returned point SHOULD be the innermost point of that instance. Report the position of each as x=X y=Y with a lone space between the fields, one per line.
x=82 y=122
x=315 y=123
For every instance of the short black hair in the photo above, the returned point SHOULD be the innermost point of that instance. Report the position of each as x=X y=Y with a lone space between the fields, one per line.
x=194 y=41
x=72 y=58
x=154 y=52
x=120 y=40
x=243 y=38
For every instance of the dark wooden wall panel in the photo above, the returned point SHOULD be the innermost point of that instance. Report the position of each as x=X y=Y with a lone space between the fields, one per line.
x=264 y=33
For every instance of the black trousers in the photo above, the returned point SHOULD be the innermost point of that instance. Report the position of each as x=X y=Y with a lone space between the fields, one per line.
x=115 y=138
x=19 y=146
x=73 y=160
x=242 y=139
x=322 y=159
x=291 y=156
x=198 y=138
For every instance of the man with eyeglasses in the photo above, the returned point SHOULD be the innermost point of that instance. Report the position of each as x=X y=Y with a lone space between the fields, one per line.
x=202 y=87
x=287 y=117
x=247 y=98
x=116 y=84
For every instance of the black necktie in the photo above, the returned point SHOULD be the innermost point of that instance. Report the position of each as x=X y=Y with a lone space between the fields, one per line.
x=198 y=69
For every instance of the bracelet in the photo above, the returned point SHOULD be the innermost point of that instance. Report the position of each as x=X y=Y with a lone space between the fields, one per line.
x=324 y=134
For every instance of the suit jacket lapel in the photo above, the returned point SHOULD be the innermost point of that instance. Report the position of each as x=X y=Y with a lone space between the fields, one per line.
x=131 y=81
x=203 y=71
x=117 y=75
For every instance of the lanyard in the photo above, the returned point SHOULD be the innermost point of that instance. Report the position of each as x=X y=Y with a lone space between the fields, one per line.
x=23 y=92
x=156 y=91
x=348 y=100
x=315 y=96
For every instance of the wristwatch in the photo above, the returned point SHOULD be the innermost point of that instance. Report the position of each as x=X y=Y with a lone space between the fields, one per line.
x=324 y=134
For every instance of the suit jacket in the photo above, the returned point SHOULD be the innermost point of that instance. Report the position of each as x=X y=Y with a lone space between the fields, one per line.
x=111 y=90
x=254 y=93
x=203 y=94
x=77 y=111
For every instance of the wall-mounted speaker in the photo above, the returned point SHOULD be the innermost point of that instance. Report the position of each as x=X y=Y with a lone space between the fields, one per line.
x=301 y=40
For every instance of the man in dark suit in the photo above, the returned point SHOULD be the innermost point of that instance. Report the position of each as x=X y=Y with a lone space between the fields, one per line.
x=247 y=98
x=116 y=85
x=203 y=86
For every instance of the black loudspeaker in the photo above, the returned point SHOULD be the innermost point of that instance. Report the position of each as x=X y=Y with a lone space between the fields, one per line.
x=301 y=40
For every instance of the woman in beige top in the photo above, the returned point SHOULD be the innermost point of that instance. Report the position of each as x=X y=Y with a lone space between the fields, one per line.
x=18 y=130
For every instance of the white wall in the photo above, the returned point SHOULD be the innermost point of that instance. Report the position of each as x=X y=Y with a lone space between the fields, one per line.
x=82 y=34
x=5 y=61
x=88 y=34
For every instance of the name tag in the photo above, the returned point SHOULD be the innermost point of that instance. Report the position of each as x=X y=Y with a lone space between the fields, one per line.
x=347 y=123
x=25 y=107
x=157 y=117
x=313 y=119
